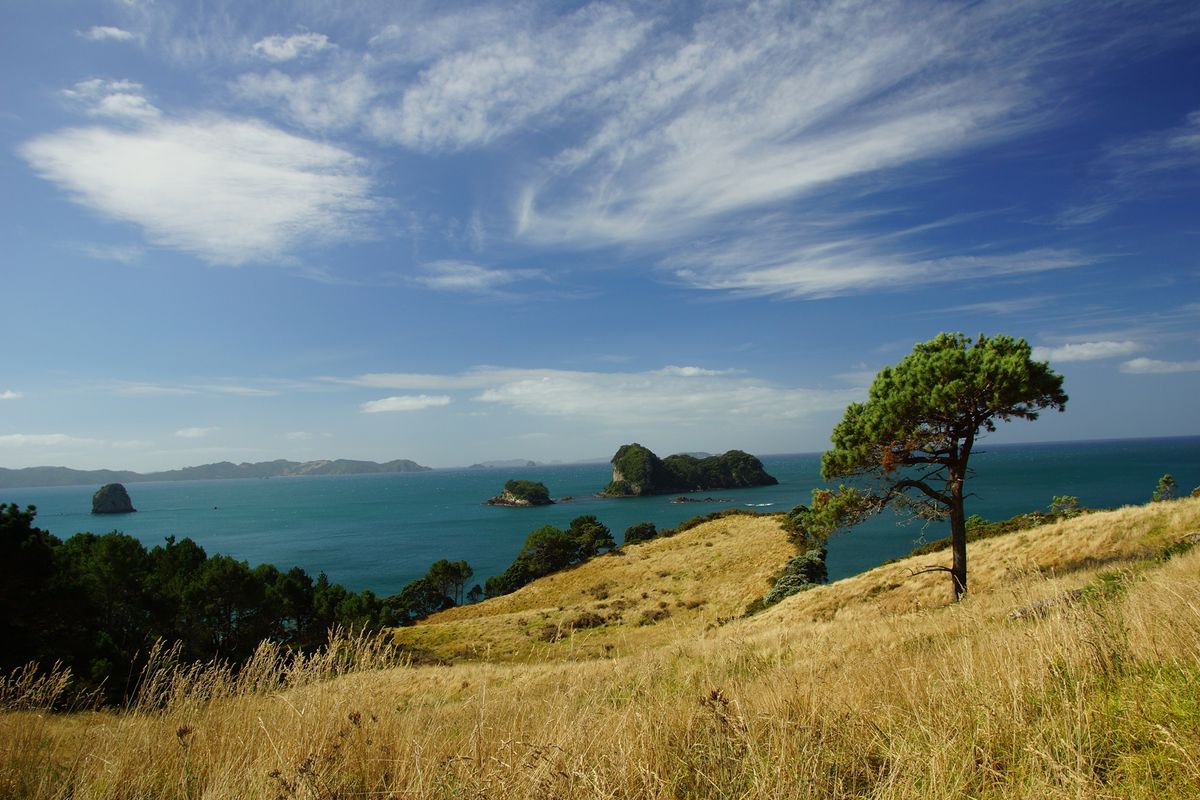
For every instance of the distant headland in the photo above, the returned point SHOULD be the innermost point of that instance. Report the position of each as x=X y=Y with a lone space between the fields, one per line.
x=222 y=470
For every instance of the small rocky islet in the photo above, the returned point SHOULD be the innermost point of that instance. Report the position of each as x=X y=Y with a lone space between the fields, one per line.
x=522 y=494
x=112 y=498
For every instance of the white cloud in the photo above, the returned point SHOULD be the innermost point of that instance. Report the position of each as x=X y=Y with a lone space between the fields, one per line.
x=229 y=191
x=286 y=48
x=692 y=372
x=123 y=253
x=124 y=100
x=1150 y=366
x=195 y=433
x=461 y=276
x=1086 y=351
x=628 y=399
x=476 y=378
x=298 y=436
x=19 y=440
x=317 y=102
x=9 y=394
x=100 y=33
x=677 y=394
x=516 y=78
x=405 y=403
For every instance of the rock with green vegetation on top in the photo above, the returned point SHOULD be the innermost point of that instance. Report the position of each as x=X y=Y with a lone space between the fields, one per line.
x=637 y=472
x=522 y=494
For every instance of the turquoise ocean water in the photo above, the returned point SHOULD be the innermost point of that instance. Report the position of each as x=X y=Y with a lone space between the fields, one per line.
x=381 y=531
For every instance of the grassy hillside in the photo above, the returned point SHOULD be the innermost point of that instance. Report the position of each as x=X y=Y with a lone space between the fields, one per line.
x=618 y=604
x=869 y=687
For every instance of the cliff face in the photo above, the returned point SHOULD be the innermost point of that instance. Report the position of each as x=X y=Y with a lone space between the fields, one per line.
x=112 y=499
x=638 y=472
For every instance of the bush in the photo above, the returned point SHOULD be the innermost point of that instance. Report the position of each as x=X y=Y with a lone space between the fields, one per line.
x=1165 y=490
x=641 y=532
x=802 y=572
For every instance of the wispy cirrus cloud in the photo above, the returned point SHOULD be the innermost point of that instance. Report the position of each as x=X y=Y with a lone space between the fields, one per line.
x=759 y=104
x=774 y=258
x=229 y=191
x=418 y=402
x=318 y=102
x=1086 y=351
x=9 y=394
x=1150 y=163
x=1151 y=366
x=515 y=77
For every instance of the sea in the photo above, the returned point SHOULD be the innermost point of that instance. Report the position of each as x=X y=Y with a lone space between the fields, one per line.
x=379 y=532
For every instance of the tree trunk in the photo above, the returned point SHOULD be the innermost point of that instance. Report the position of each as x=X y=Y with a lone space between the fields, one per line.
x=958 y=537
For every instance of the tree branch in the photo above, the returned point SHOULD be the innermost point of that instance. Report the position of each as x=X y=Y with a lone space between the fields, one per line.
x=924 y=488
x=912 y=573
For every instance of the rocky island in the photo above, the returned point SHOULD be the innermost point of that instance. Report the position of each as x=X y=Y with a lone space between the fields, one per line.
x=522 y=494
x=112 y=498
x=637 y=472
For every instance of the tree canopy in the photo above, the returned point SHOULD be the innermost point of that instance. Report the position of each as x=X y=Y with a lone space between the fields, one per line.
x=912 y=440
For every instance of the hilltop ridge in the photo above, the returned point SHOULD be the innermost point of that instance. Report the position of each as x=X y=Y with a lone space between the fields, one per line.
x=221 y=470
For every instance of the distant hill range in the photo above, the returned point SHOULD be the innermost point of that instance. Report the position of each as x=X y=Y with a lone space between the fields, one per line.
x=64 y=476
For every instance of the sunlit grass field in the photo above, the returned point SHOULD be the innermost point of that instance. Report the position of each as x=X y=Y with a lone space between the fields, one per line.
x=636 y=676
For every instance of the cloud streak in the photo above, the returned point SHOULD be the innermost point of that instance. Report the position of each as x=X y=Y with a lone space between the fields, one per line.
x=680 y=394
x=1086 y=351
x=418 y=402
x=461 y=276
x=195 y=433
x=1151 y=366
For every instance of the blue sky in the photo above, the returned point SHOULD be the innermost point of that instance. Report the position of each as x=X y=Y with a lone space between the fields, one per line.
x=464 y=232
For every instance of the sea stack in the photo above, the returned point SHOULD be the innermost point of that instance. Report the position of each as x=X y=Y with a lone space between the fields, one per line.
x=112 y=499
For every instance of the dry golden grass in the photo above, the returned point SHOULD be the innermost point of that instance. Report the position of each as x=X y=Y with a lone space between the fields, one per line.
x=844 y=691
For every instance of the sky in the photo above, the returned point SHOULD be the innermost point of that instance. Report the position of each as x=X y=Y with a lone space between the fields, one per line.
x=462 y=232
